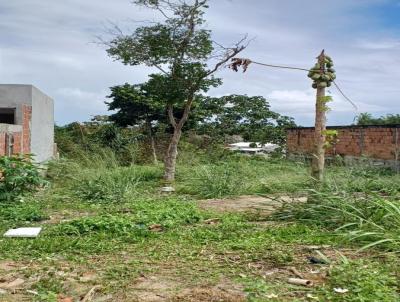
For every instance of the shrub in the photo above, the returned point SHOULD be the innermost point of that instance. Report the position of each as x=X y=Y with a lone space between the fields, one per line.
x=18 y=176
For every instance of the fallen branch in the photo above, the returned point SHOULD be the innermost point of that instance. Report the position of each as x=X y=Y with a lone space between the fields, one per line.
x=89 y=296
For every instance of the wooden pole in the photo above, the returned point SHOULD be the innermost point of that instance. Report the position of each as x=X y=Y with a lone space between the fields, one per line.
x=318 y=159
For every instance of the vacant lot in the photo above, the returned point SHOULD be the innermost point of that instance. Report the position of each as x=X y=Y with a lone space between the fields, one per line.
x=235 y=230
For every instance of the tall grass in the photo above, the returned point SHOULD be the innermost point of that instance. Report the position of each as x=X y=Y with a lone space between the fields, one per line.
x=370 y=220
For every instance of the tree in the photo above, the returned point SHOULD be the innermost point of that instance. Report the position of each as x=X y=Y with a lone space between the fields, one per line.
x=182 y=50
x=250 y=117
x=136 y=107
x=322 y=75
x=367 y=119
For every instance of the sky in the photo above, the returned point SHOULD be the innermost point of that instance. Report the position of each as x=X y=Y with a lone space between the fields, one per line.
x=52 y=45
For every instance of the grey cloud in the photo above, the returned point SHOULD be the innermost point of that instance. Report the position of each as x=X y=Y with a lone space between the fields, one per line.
x=48 y=43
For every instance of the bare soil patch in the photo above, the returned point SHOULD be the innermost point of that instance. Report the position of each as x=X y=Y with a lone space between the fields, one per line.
x=264 y=205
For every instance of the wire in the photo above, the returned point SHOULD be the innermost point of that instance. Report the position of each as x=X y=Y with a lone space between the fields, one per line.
x=303 y=69
x=345 y=96
x=279 y=66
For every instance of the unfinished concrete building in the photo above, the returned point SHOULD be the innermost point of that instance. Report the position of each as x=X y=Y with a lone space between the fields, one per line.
x=26 y=122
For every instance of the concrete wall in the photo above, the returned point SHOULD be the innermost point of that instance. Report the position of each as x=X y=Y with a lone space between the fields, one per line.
x=14 y=96
x=35 y=112
x=42 y=126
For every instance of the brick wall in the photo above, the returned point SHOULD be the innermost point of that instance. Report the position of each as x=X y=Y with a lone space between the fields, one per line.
x=21 y=138
x=2 y=144
x=378 y=142
x=26 y=128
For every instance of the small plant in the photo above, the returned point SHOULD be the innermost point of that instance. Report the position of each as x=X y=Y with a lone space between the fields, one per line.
x=18 y=176
x=22 y=212
x=113 y=225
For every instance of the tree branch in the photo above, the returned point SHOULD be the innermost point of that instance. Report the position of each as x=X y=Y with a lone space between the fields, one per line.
x=229 y=54
x=170 y=111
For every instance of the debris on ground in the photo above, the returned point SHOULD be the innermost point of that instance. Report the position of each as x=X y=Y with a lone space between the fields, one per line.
x=23 y=232
x=298 y=281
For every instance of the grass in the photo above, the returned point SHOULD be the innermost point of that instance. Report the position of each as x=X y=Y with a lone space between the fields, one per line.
x=113 y=221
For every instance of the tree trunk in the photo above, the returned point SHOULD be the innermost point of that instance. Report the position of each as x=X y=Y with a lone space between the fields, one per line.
x=152 y=143
x=172 y=153
x=318 y=159
x=153 y=149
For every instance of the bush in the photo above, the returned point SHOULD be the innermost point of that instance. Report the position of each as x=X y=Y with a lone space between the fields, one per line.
x=18 y=176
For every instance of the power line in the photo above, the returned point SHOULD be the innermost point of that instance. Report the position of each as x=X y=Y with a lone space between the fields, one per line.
x=345 y=96
x=304 y=69
x=279 y=66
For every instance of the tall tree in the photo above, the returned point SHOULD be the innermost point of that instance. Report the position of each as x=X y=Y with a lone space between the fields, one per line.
x=183 y=52
x=135 y=106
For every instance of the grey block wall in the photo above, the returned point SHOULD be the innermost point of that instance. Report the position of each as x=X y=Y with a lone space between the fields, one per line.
x=15 y=95
x=42 y=126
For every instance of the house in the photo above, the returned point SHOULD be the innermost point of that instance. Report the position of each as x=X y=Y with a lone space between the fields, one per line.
x=252 y=148
x=26 y=122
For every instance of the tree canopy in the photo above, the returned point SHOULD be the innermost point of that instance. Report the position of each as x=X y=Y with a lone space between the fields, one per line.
x=182 y=50
x=368 y=119
x=248 y=116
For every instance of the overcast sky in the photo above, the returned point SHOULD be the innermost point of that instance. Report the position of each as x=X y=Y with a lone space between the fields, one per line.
x=48 y=43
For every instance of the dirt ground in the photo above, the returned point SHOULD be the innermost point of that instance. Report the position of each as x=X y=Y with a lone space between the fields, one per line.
x=263 y=205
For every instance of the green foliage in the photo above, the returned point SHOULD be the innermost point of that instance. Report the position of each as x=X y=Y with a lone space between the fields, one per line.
x=168 y=213
x=135 y=106
x=180 y=45
x=364 y=282
x=112 y=225
x=30 y=212
x=112 y=186
x=367 y=119
x=18 y=176
x=93 y=141
x=372 y=221
x=232 y=175
x=216 y=181
x=250 y=117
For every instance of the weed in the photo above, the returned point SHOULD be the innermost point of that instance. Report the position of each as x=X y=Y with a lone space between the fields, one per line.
x=362 y=281
x=372 y=220
x=22 y=212
x=18 y=176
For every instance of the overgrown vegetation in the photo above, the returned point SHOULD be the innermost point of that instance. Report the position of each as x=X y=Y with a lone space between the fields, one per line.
x=366 y=118
x=108 y=218
x=18 y=176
